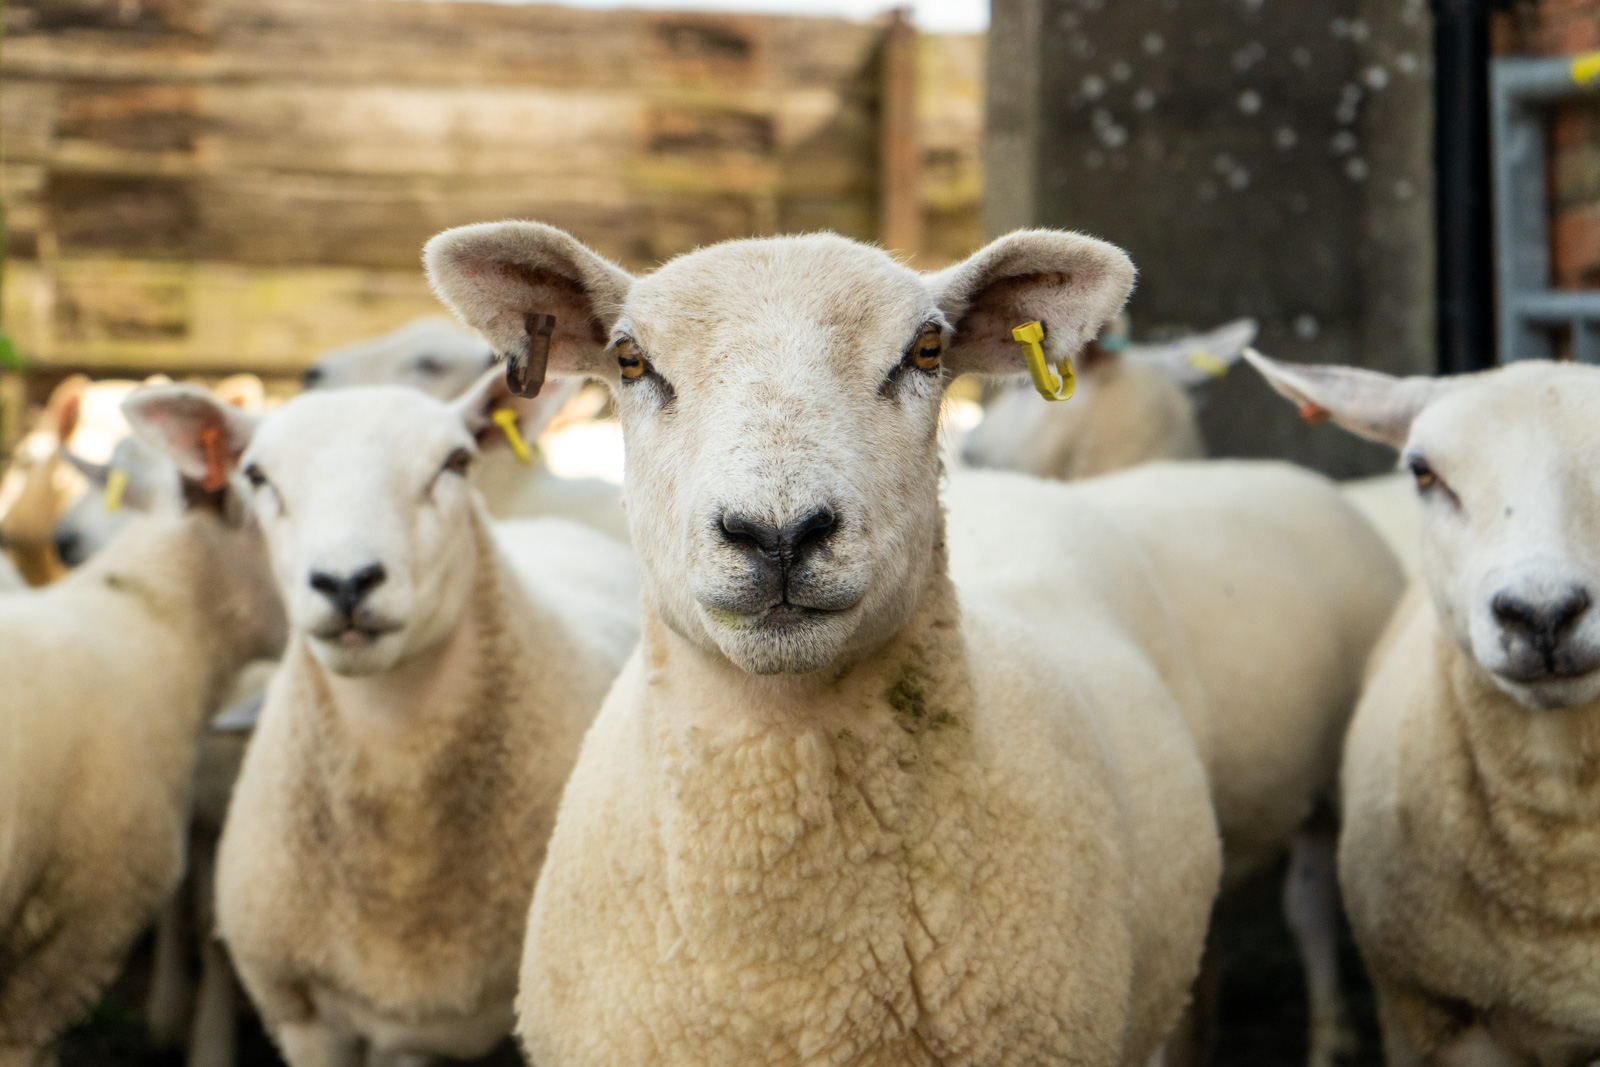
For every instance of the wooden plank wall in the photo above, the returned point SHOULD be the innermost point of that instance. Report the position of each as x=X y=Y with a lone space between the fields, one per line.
x=241 y=184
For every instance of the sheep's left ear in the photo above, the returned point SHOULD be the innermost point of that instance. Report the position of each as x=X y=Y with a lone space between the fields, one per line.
x=1379 y=407
x=201 y=435
x=490 y=393
x=1072 y=284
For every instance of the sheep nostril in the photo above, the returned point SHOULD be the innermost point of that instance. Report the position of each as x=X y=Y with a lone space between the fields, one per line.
x=741 y=530
x=347 y=592
x=809 y=531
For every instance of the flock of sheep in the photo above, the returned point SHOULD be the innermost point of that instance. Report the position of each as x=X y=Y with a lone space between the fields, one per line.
x=831 y=749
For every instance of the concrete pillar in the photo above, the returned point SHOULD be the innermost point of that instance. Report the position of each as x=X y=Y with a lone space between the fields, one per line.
x=1256 y=157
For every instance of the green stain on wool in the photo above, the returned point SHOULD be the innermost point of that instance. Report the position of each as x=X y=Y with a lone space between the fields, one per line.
x=731 y=619
x=908 y=697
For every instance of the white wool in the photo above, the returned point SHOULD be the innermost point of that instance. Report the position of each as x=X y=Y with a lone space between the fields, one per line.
x=441 y=359
x=874 y=808
x=110 y=673
x=1469 y=856
x=412 y=748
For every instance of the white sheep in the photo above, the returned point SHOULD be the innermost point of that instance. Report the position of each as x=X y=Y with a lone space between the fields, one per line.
x=10 y=578
x=109 y=676
x=383 y=839
x=1470 y=856
x=1131 y=406
x=441 y=359
x=848 y=804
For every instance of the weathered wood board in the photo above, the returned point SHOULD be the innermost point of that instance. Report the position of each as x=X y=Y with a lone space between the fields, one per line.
x=239 y=184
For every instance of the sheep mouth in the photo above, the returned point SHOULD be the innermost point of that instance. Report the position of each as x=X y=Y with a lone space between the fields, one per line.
x=352 y=633
x=783 y=615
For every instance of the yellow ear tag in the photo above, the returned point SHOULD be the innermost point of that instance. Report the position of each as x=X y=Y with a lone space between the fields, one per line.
x=1204 y=361
x=116 y=485
x=1586 y=69
x=1051 y=387
x=506 y=419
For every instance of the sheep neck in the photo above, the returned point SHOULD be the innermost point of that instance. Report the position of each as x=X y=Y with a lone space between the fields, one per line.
x=1527 y=784
x=393 y=726
x=800 y=779
x=179 y=574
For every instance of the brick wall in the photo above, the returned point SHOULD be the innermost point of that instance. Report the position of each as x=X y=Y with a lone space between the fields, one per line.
x=1561 y=28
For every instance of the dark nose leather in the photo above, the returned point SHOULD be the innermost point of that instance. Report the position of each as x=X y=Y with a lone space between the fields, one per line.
x=783 y=545
x=347 y=592
x=1544 y=623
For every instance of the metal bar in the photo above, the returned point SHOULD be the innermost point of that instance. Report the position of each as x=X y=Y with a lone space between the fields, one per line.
x=1462 y=185
x=1557 y=305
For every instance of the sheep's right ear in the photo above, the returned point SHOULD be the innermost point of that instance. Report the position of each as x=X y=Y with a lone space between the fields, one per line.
x=500 y=276
x=200 y=434
x=489 y=394
x=1379 y=407
x=97 y=474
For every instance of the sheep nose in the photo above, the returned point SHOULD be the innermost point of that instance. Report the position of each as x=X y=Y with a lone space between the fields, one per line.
x=67 y=545
x=1543 y=622
x=312 y=376
x=784 y=545
x=348 y=592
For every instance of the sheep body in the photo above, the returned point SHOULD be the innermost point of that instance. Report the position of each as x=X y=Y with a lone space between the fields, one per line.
x=1282 y=590
x=110 y=674
x=419 y=848
x=967 y=777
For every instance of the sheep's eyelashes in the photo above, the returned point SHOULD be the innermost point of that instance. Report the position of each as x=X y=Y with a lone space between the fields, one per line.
x=254 y=476
x=631 y=361
x=459 y=461
x=1424 y=475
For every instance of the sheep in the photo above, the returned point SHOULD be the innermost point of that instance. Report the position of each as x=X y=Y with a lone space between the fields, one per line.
x=1132 y=406
x=411 y=750
x=38 y=485
x=1469 y=856
x=110 y=673
x=874 y=789
x=441 y=359
x=136 y=478
x=10 y=578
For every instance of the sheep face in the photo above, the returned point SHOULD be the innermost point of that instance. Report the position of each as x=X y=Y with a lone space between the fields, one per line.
x=779 y=402
x=364 y=500
x=433 y=355
x=1510 y=509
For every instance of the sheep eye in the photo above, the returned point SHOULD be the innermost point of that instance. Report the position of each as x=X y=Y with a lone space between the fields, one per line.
x=928 y=349
x=459 y=461
x=430 y=366
x=254 y=476
x=631 y=361
x=1426 y=478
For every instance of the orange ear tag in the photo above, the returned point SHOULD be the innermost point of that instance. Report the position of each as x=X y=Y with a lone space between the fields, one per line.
x=216 y=473
x=1314 y=413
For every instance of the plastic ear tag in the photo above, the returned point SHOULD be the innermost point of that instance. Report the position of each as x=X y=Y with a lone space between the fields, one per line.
x=1204 y=361
x=216 y=472
x=1051 y=387
x=506 y=419
x=116 y=485
x=1586 y=69
x=1314 y=413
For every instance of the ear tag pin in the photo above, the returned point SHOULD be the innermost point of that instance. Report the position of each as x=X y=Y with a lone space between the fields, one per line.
x=1051 y=387
x=1204 y=361
x=216 y=474
x=525 y=376
x=116 y=485
x=506 y=419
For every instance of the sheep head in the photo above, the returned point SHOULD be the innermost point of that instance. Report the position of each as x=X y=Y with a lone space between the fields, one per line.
x=779 y=401
x=1510 y=507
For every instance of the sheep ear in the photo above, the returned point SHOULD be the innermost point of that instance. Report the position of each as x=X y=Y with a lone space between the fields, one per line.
x=96 y=473
x=1073 y=284
x=490 y=393
x=499 y=277
x=1376 y=406
x=1199 y=359
x=183 y=421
